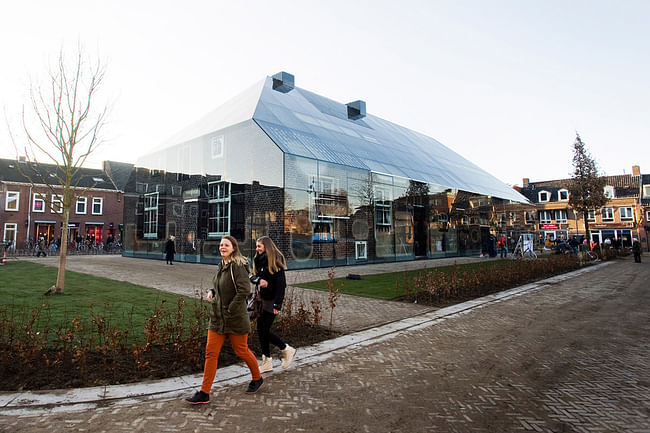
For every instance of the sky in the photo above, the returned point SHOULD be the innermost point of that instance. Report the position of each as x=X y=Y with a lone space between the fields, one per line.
x=504 y=83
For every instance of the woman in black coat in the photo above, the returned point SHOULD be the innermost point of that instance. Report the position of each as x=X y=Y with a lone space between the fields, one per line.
x=170 y=250
x=269 y=265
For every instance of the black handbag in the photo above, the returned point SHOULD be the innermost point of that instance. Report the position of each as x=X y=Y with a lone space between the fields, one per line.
x=254 y=304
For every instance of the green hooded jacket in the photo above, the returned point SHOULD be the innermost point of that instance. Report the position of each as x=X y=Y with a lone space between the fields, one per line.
x=231 y=287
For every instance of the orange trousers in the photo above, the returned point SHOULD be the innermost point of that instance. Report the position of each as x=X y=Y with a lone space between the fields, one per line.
x=213 y=348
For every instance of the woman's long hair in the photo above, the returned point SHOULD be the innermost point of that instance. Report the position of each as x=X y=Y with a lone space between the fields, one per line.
x=236 y=256
x=274 y=255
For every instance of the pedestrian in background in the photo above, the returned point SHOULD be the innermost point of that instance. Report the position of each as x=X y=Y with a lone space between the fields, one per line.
x=170 y=250
x=636 y=249
x=269 y=265
x=41 y=247
x=228 y=318
x=503 y=246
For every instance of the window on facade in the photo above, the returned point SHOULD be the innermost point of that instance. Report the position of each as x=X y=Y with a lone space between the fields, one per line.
x=609 y=191
x=591 y=215
x=39 y=203
x=327 y=185
x=12 y=201
x=383 y=209
x=646 y=190
x=544 y=196
x=647 y=216
x=560 y=216
x=361 y=250
x=82 y=203
x=216 y=146
x=545 y=217
x=57 y=204
x=9 y=236
x=530 y=217
x=563 y=195
x=98 y=204
x=607 y=214
x=219 y=208
x=626 y=214
x=150 y=229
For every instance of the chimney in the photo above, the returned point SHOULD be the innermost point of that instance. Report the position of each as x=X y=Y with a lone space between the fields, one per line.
x=636 y=170
x=525 y=181
x=356 y=110
x=283 y=82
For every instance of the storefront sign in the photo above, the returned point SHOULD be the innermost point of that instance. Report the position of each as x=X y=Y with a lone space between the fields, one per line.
x=548 y=226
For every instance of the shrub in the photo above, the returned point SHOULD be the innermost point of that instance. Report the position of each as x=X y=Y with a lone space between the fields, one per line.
x=438 y=287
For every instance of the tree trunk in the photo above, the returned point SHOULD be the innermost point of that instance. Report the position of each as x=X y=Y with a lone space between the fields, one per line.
x=585 y=215
x=63 y=252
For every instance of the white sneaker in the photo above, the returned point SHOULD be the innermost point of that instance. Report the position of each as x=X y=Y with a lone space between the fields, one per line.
x=267 y=364
x=287 y=356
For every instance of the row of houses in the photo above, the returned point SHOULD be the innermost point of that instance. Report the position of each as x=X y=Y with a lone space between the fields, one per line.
x=625 y=216
x=144 y=214
x=31 y=206
x=329 y=182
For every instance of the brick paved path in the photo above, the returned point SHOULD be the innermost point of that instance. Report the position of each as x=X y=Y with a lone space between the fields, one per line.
x=571 y=357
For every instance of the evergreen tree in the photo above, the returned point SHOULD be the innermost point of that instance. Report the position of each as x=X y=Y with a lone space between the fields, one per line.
x=586 y=189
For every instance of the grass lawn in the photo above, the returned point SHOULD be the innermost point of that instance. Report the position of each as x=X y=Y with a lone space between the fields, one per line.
x=391 y=285
x=122 y=305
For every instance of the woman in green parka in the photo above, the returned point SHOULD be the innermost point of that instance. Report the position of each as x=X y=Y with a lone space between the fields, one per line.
x=228 y=318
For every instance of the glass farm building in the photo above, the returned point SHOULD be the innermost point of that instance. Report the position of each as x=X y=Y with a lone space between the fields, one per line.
x=328 y=182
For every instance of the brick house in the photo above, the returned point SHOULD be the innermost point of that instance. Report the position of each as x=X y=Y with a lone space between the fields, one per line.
x=619 y=220
x=29 y=211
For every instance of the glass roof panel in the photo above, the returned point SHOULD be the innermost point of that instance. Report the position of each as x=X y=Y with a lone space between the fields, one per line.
x=306 y=124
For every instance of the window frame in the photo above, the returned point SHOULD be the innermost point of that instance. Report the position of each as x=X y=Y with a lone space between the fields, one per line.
x=646 y=190
x=17 y=201
x=150 y=215
x=100 y=202
x=56 y=205
x=563 y=216
x=383 y=208
x=608 y=210
x=530 y=217
x=563 y=191
x=626 y=209
x=85 y=205
x=609 y=191
x=545 y=216
x=219 y=212
x=38 y=198
x=10 y=227
x=547 y=194
x=591 y=215
x=217 y=145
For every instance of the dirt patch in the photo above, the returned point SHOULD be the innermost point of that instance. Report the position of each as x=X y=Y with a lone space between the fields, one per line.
x=128 y=366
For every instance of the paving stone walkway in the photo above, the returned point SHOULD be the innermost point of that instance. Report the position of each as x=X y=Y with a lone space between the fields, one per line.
x=568 y=355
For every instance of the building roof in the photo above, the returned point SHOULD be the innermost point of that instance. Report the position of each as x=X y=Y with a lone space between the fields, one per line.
x=41 y=174
x=625 y=185
x=305 y=124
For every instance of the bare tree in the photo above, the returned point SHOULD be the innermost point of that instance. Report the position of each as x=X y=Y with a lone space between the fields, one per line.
x=586 y=189
x=62 y=125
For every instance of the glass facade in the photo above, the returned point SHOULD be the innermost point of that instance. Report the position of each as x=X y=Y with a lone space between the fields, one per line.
x=328 y=189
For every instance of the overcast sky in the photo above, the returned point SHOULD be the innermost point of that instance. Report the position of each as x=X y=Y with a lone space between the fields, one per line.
x=505 y=83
